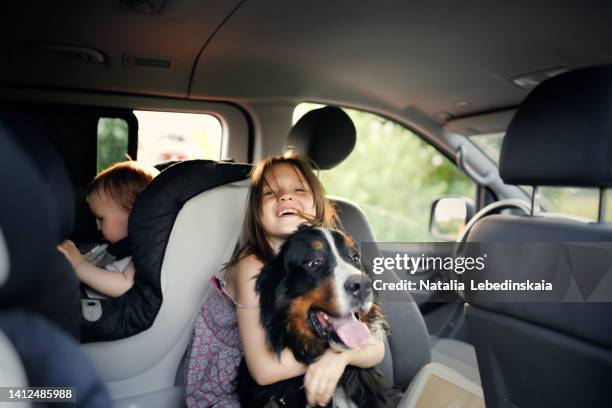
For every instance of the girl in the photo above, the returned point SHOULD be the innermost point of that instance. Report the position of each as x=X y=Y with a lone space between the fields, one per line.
x=284 y=193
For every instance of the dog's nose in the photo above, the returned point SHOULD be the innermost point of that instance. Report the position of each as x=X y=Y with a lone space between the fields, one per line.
x=358 y=286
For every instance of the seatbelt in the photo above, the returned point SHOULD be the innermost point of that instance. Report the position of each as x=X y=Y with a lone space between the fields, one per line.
x=104 y=254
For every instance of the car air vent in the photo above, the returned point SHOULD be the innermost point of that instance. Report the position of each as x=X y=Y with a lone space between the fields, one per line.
x=140 y=61
x=143 y=6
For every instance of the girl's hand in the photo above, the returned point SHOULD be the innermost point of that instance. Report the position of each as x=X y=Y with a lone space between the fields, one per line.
x=71 y=253
x=323 y=375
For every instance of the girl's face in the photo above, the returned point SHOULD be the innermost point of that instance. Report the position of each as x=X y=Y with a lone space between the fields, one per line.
x=285 y=195
x=112 y=219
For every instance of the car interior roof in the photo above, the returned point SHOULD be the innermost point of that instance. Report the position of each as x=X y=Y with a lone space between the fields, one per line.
x=444 y=60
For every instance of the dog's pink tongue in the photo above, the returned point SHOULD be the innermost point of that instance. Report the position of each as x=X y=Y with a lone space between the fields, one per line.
x=351 y=331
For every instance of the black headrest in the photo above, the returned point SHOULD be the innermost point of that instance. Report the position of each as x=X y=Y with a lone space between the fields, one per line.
x=149 y=227
x=39 y=278
x=326 y=135
x=561 y=134
x=51 y=168
x=25 y=218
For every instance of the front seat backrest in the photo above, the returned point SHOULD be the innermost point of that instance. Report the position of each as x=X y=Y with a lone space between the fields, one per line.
x=560 y=136
x=55 y=293
x=29 y=230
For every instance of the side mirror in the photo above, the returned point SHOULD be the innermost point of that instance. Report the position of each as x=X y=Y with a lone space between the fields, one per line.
x=449 y=215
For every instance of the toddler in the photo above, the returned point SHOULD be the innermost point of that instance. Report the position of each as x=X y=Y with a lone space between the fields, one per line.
x=111 y=197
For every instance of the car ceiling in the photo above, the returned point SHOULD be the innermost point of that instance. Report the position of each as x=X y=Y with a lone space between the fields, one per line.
x=445 y=59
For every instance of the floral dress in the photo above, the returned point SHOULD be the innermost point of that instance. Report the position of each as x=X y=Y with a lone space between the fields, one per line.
x=215 y=352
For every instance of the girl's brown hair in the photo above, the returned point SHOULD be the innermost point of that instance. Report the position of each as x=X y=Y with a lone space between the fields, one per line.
x=123 y=182
x=253 y=240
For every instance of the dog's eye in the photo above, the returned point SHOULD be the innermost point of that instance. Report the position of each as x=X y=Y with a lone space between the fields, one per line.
x=315 y=263
x=355 y=258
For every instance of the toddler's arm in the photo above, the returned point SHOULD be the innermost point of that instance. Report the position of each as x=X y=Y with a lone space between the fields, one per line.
x=108 y=283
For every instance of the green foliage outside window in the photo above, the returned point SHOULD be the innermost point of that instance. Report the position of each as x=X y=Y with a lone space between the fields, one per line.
x=394 y=176
x=112 y=142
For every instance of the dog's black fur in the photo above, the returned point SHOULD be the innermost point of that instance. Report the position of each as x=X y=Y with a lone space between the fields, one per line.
x=291 y=289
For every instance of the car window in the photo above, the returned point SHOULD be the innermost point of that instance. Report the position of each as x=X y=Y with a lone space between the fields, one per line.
x=583 y=202
x=394 y=176
x=490 y=144
x=170 y=136
x=162 y=137
x=112 y=142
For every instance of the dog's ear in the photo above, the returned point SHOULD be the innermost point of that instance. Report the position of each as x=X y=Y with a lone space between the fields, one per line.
x=269 y=286
x=265 y=286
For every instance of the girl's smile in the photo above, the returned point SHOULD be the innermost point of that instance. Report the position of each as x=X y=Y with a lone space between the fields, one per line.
x=287 y=202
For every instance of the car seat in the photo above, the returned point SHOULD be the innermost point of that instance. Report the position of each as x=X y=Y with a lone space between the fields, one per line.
x=550 y=354
x=328 y=135
x=182 y=230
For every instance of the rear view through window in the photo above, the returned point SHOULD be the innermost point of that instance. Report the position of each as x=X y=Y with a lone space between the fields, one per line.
x=171 y=136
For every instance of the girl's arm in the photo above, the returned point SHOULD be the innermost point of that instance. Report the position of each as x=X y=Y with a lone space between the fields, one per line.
x=323 y=375
x=367 y=356
x=108 y=283
x=264 y=365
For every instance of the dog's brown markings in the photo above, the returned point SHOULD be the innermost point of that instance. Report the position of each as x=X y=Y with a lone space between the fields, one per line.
x=316 y=245
x=375 y=320
x=298 y=320
x=348 y=240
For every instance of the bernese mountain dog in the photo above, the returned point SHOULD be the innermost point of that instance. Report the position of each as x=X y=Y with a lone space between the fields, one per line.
x=315 y=295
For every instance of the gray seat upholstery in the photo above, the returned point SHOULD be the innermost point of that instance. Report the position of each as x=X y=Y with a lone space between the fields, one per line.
x=455 y=354
x=530 y=354
x=328 y=136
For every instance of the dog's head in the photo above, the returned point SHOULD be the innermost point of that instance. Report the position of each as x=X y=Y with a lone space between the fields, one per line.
x=315 y=295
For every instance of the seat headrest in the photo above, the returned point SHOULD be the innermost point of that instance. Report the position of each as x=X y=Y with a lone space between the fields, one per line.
x=326 y=135
x=25 y=223
x=561 y=134
x=53 y=173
